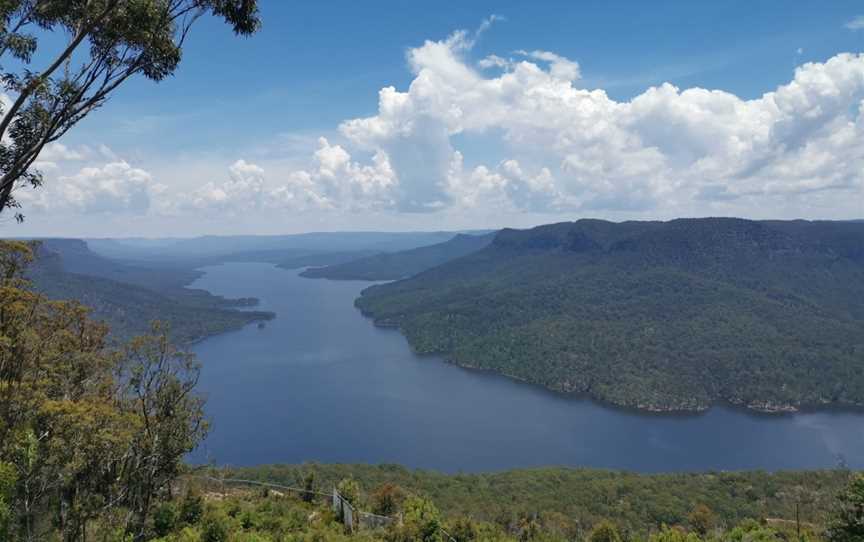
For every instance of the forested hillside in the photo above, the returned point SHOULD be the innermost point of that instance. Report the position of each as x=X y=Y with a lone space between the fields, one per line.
x=551 y=505
x=130 y=297
x=637 y=502
x=397 y=265
x=655 y=315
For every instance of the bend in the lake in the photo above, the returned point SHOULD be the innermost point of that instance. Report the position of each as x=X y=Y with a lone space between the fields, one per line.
x=321 y=383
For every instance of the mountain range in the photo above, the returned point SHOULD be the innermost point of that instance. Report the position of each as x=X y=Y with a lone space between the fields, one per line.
x=402 y=264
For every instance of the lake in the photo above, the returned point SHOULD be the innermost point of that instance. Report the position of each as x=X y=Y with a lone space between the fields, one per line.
x=321 y=383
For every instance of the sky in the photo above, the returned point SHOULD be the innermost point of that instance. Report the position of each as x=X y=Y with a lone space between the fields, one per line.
x=400 y=115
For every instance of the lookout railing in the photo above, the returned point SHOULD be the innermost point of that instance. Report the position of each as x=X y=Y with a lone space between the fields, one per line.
x=351 y=518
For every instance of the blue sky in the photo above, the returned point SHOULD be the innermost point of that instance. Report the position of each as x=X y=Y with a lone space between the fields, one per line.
x=244 y=116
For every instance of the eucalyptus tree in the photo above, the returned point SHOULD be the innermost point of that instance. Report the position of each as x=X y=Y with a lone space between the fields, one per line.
x=90 y=435
x=108 y=41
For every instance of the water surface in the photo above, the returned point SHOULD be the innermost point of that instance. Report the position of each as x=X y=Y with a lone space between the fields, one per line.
x=321 y=383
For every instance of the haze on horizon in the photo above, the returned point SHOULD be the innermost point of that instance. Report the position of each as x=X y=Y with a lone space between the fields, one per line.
x=493 y=115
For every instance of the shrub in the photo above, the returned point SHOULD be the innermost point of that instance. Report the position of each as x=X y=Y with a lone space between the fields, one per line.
x=387 y=499
x=192 y=507
x=605 y=531
x=215 y=527
x=164 y=518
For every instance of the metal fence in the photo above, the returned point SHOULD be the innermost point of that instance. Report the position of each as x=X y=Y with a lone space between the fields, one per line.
x=357 y=519
x=351 y=518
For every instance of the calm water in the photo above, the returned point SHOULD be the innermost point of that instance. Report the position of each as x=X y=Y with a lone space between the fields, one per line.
x=321 y=383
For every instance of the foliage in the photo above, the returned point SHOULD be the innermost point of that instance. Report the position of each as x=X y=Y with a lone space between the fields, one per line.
x=7 y=492
x=92 y=433
x=422 y=521
x=242 y=514
x=654 y=315
x=191 y=507
x=387 y=499
x=702 y=519
x=847 y=523
x=164 y=518
x=125 y=38
x=349 y=489
x=604 y=531
x=752 y=531
x=128 y=298
x=215 y=527
x=674 y=534
x=309 y=486
x=568 y=500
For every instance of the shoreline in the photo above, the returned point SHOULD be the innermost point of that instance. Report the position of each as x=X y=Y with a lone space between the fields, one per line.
x=763 y=407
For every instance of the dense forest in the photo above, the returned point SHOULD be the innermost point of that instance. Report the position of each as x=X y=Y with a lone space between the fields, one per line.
x=654 y=315
x=91 y=431
x=129 y=283
x=130 y=296
x=402 y=264
x=93 y=435
x=638 y=502
x=535 y=505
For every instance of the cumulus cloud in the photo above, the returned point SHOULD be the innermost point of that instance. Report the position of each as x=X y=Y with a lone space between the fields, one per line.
x=240 y=192
x=575 y=149
x=562 y=147
x=55 y=152
x=334 y=181
x=559 y=66
x=112 y=187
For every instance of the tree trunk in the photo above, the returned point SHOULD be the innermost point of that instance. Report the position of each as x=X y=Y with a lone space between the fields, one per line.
x=5 y=194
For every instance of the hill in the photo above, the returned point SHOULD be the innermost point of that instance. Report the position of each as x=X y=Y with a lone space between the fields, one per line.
x=129 y=297
x=324 y=259
x=396 y=265
x=215 y=247
x=388 y=503
x=653 y=315
x=637 y=503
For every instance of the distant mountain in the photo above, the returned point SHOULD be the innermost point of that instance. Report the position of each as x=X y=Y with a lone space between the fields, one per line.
x=129 y=298
x=273 y=247
x=396 y=265
x=324 y=259
x=655 y=315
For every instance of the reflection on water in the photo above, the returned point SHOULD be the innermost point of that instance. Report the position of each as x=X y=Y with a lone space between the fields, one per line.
x=321 y=383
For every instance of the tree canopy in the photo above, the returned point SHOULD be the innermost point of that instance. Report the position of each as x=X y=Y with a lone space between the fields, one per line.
x=123 y=37
x=87 y=432
x=655 y=315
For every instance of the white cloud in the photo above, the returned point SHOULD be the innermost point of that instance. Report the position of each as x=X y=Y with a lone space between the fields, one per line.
x=559 y=66
x=109 y=188
x=560 y=147
x=856 y=23
x=55 y=152
x=664 y=149
x=242 y=191
x=336 y=181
